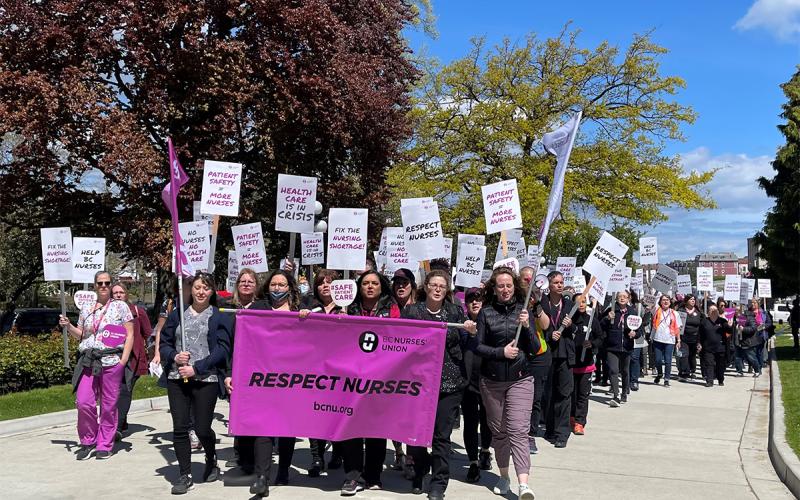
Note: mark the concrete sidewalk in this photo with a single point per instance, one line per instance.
(688, 441)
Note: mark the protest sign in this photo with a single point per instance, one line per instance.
(197, 243)
(423, 230)
(682, 319)
(533, 256)
(470, 239)
(633, 322)
(764, 289)
(605, 257)
(664, 279)
(312, 248)
(448, 249)
(83, 298)
(486, 274)
(751, 287)
(249, 242)
(501, 206)
(566, 266)
(405, 202)
(347, 238)
(522, 254)
(385, 384)
(733, 286)
(57, 253)
(684, 284)
(514, 244)
(648, 251)
(637, 283)
(197, 215)
(380, 255)
(396, 253)
(705, 279)
(470, 265)
(579, 281)
(296, 202)
(233, 271)
(616, 283)
(512, 263)
(744, 291)
(626, 282)
(343, 292)
(649, 300)
(222, 182)
(598, 291)
(88, 257)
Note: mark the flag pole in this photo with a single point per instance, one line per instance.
(214, 230)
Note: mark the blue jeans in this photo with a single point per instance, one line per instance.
(750, 354)
(664, 358)
(636, 365)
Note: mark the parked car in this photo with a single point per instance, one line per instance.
(33, 321)
(780, 313)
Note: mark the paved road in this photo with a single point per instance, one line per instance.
(688, 441)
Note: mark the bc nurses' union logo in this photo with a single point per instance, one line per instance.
(368, 341)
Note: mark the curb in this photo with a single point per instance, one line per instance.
(783, 458)
(49, 420)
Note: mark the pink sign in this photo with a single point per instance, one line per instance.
(336, 377)
(113, 335)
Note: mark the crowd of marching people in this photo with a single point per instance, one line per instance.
(515, 371)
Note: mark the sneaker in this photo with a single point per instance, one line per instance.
(416, 486)
(525, 492)
(634, 387)
(102, 455)
(657, 380)
(118, 436)
(614, 403)
(560, 443)
(709, 384)
(194, 441)
(211, 472)
(502, 487)
(474, 473)
(721, 384)
(374, 486)
(485, 460)
(436, 495)
(183, 485)
(84, 452)
(756, 374)
(532, 445)
(316, 469)
(578, 430)
(260, 487)
(351, 487)
(666, 383)
(624, 399)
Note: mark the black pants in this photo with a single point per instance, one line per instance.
(201, 397)
(796, 337)
(714, 364)
(601, 373)
(363, 458)
(540, 374)
(582, 388)
(439, 458)
(690, 365)
(561, 384)
(124, 402)
(262, 454)
(619, 364)
(474, 416)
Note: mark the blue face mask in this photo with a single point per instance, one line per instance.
(278, 297)
(303, 288)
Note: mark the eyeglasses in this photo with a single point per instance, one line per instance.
(103, 283)
(437, 287)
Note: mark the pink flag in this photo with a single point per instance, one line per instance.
(177, 178)
(335, 377)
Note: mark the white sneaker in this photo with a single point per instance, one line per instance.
(194, 441)
(525, 492)
(502, 487)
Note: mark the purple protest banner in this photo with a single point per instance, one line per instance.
(335, 377)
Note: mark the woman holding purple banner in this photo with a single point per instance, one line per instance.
(100, 369)
(432, 306)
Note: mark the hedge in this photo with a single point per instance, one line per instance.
(30, 362)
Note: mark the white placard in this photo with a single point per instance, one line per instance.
(343, 292)
(605, 257)
(486, 274)
(296, 202)
(751, 287)
(313, 248)
(649, 300)
(598, 292)
(88, 257)
(616, 283)
(633, 322)
(764, 289)
(684, 284)
(380, 255)
(347, 238)
(648, 251)
(197, 243)
(222, 182)
(57, 253)
(233, 271)
(579, 281)
(423, 230)
(566, 266)
(396, 253)
(705, 279)
(448, 249)
(511, 263)
(470, 239)
(197, 215)
(514, 243)
(744, 291)
(405, 202)
(470, 265)
(534, 256)
(522, 254)
(637, 282)
(664, 279)
(501, 206)
(83, 298)
(626, 282)
(733, 287)
(249, 242)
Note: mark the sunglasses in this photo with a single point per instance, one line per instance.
(103, 283)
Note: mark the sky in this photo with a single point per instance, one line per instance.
(733, 55)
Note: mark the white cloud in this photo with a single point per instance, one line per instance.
(779, 17)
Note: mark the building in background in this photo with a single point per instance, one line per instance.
(684, 266)
(744, 268)
(723, 263)
(753, 260)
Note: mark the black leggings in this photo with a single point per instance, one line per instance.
(439, 458)
(475, 415)
(201, 397)
(619, 363)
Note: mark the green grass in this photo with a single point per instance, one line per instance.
(789, 366)
(60, 397)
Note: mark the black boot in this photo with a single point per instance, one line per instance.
(260, 487)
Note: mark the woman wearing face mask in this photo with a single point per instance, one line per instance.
(138, 359)
(589, 336)
(690, 335)
(712, 335)
(619, 346)
(193, 375)
(432, 306)
(472, 407)
(363, 457)
(506, 379)
(665, 333)
(100, 369)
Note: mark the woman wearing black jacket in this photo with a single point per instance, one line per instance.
(588, 339)
(506, 380)
(432, 306)
(619, 345)
(712, 336)
(690, 336)
(193, 375)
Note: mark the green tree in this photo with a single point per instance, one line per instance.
(479, 119)
(780, 237)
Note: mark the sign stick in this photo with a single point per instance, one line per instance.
(591, 319)
(214, 229)
(180, 307)
(64, 330)
(504, 243)
(292, 245)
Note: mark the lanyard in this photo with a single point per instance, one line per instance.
(96, 323)
(558, 312)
